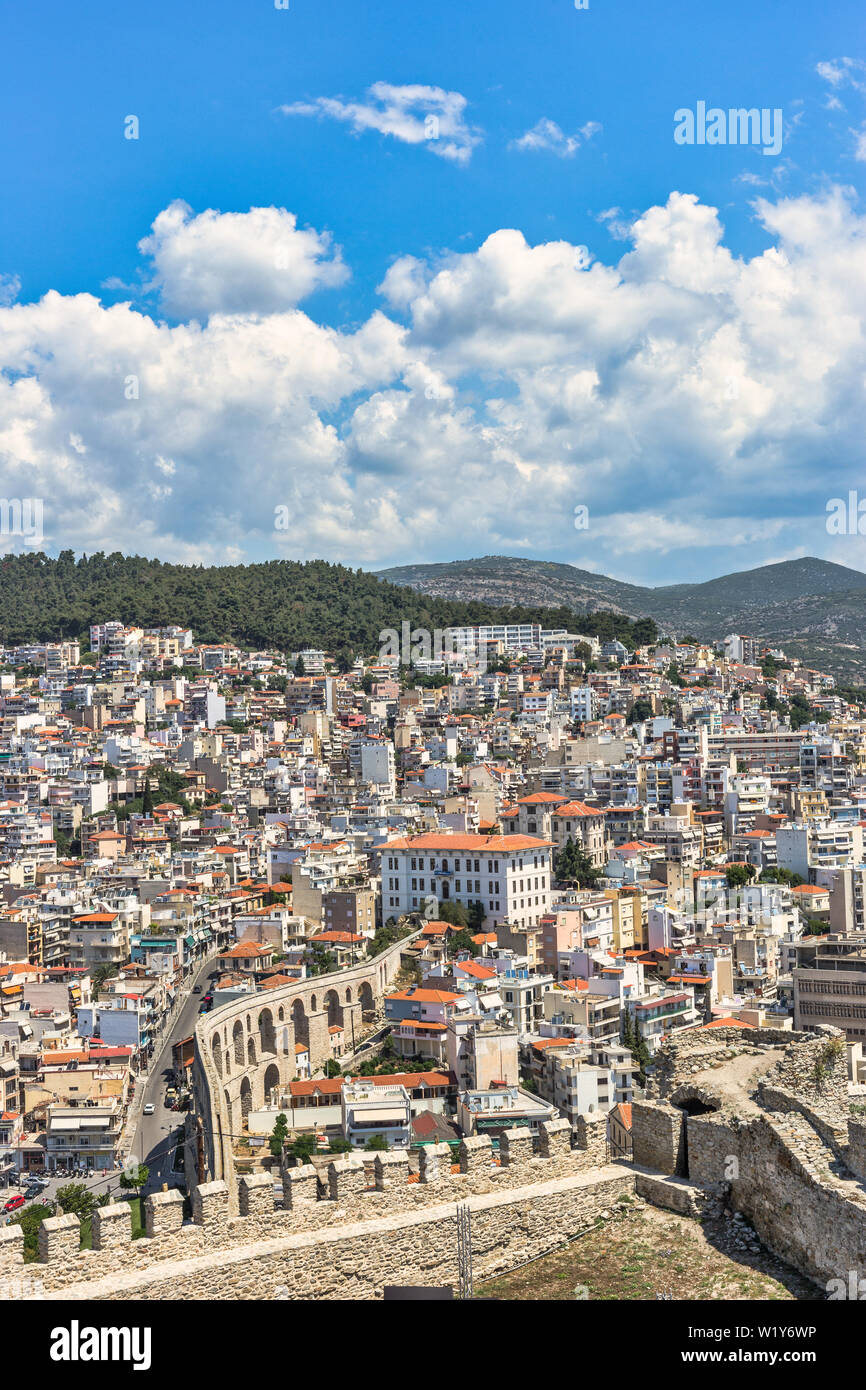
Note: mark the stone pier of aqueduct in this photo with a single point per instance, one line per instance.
(246, 1048)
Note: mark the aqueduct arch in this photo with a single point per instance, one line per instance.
(241, 1053)
(334, 1008)
(301, 1022)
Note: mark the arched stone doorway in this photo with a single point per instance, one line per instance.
(692, 1101)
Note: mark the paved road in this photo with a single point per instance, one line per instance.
(96, 1182)
(156, 1135)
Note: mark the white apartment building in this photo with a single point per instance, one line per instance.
(377, 764)
(848, 901)
(508, 874)
(584, 703)
(659, 1012)
(680, 840)
(748, 796)
(583, 1080)
(520, 990)
(370, 1110)
(82, 1136)
(820, 845)
(514, 636)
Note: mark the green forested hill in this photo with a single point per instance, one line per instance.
(281, 603)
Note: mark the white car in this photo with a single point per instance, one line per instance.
(148, 1109)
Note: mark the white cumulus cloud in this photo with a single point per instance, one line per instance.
(252, 262)
(695, 400)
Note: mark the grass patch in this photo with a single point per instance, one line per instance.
(136, 1206)
(640, 1256)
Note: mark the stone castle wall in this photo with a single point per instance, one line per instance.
(789, 1156)
(338, 1238)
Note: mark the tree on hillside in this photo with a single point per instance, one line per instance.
(462, 941)
(775, 874)
(30, 1219)
(572, 864)
(641, 710)
(632, 1039)
(738, 875)
(281, 604)
(454, 912)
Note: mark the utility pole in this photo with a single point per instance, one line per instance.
(464, 1250)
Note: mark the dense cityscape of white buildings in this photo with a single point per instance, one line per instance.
(584, 847)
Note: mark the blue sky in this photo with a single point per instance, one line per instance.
(696, 383)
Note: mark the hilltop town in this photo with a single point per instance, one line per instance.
(271, 917)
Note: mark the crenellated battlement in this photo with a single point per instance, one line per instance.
(356, 1188)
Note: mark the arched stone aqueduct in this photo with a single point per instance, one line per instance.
(247, 1048)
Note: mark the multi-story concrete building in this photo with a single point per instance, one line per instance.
(848, 901)
(480, 1051)
(831, 988)
(659, 1012)
(82, 1136)
(819, 845)
(508, 874)
(376, 1111)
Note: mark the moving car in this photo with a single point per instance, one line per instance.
(14, 1203)
(196, 989)
(148, 1109)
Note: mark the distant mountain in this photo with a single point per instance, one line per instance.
(814, 609)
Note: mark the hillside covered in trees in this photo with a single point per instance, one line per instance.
(281, 603)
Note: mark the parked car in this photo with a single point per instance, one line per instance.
(14, 1203)
(148, 1109)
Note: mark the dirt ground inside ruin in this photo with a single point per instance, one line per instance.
(652, 1253)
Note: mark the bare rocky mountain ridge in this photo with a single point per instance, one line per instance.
(814, 609)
